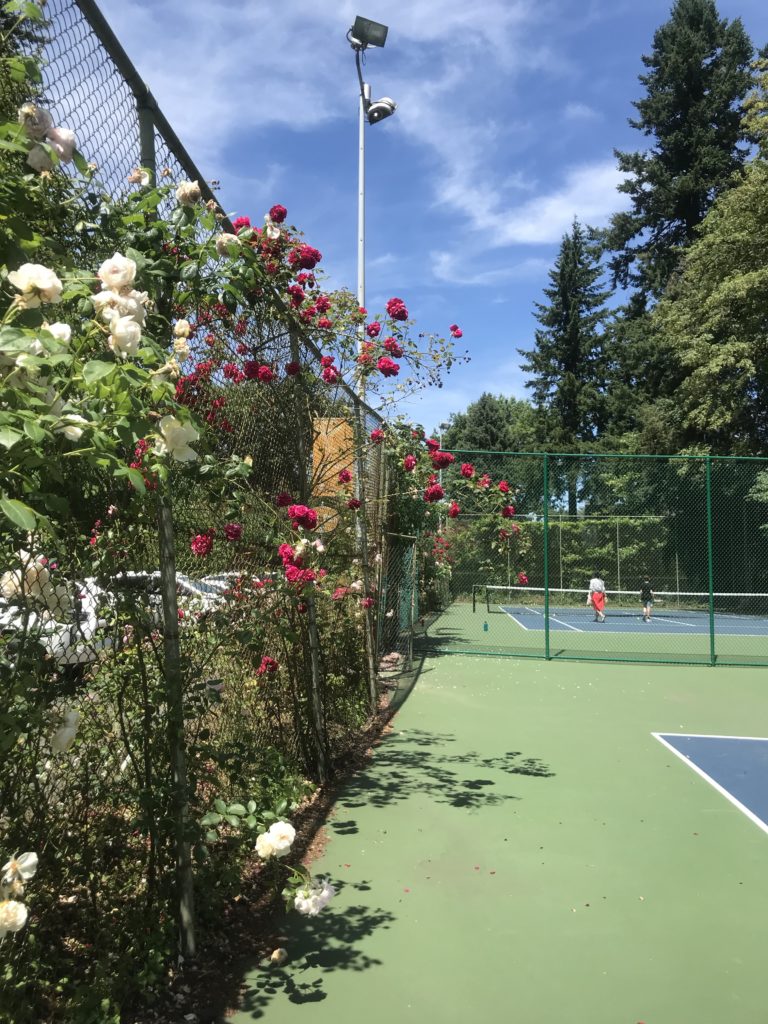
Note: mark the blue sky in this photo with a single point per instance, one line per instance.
(508, 115)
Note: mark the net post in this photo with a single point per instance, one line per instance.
(474, 598)
(546, 556)
(710, 560)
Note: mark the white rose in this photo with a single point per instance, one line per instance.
(20, 869)
(36, 347)
(36, 283)
(70, 428)
(176, 437)
(61, 332)
(36, 121)
(117, 273)
(264, 846)
(357, 586)
(181, 348)
(281, 836)
(63, 142)
(39, 160)
(271, 229)
(182, 329)
(312, 899)
(188, 193)
(139, 176)
(168, 371)
(226, 243)
(13, 916)
(278, 956)
(110, 304)
(125, 336)
(32, 579)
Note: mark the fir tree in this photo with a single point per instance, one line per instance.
(567, 365)
(698, 74)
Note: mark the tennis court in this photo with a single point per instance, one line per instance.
(522, 845)
(530, 622)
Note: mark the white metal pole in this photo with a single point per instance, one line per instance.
(361, 207)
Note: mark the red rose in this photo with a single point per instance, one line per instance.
(432, 444)
(296, 293)
(387, 367)
(278, 213)
(326, 360)
(434, 493)
(324, 322)
(409, 463)
(373, 330)
(265, 374)
(202, 544)
(442, 459)
(354, 504)
(322, 303)
(467, 470)
(292, 369)
(241, 222)
(393, 346)
(503, 486)
(396, 309)
(339, 592)
(522, 579)
(484, 481)
(330, 375)
(453, 510)
(300, 515)
(268, 666)
(345, 476)
(282, 499)
(508, 511)
(233, 531)
(377, 435)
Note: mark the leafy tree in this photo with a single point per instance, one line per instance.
(698, 74)
(567, 365)
(494, 423)
(713, 321)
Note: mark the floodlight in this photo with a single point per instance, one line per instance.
(367, 33)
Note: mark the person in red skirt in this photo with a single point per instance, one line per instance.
(596, 597)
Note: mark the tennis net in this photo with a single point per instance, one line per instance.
(573, 602)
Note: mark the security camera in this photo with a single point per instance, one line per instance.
(380, 109)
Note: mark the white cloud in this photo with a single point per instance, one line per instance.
(580, 112)
(457, 268)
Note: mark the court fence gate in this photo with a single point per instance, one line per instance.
(690, 530)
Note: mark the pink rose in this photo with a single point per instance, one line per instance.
(396, 309)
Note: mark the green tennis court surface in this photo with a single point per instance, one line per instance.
(673, 636)
(522, 848)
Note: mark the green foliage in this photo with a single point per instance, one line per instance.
(698, 74)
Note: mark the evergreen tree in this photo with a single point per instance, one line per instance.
(698, 74)
(567, 365)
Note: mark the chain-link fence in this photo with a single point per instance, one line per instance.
(171, 675)
(678, 546)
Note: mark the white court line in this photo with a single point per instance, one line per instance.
(716, 785)
(554, 618)
(503, 609)
(676, 622)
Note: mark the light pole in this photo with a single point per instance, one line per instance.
(365, 33)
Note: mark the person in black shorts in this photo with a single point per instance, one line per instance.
(646, 596)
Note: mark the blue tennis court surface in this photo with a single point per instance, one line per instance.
(580, 620)
(737, 766)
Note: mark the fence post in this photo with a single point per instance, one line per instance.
(710, 562)
(362, 537)
(175, 697)
(316, 702)
(546, 557)
(146, 138)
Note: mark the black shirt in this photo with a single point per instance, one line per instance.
(646, 593)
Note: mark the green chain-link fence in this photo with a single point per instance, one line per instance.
(685, 537)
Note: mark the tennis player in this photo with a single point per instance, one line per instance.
(646, 596)
(596, 597)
